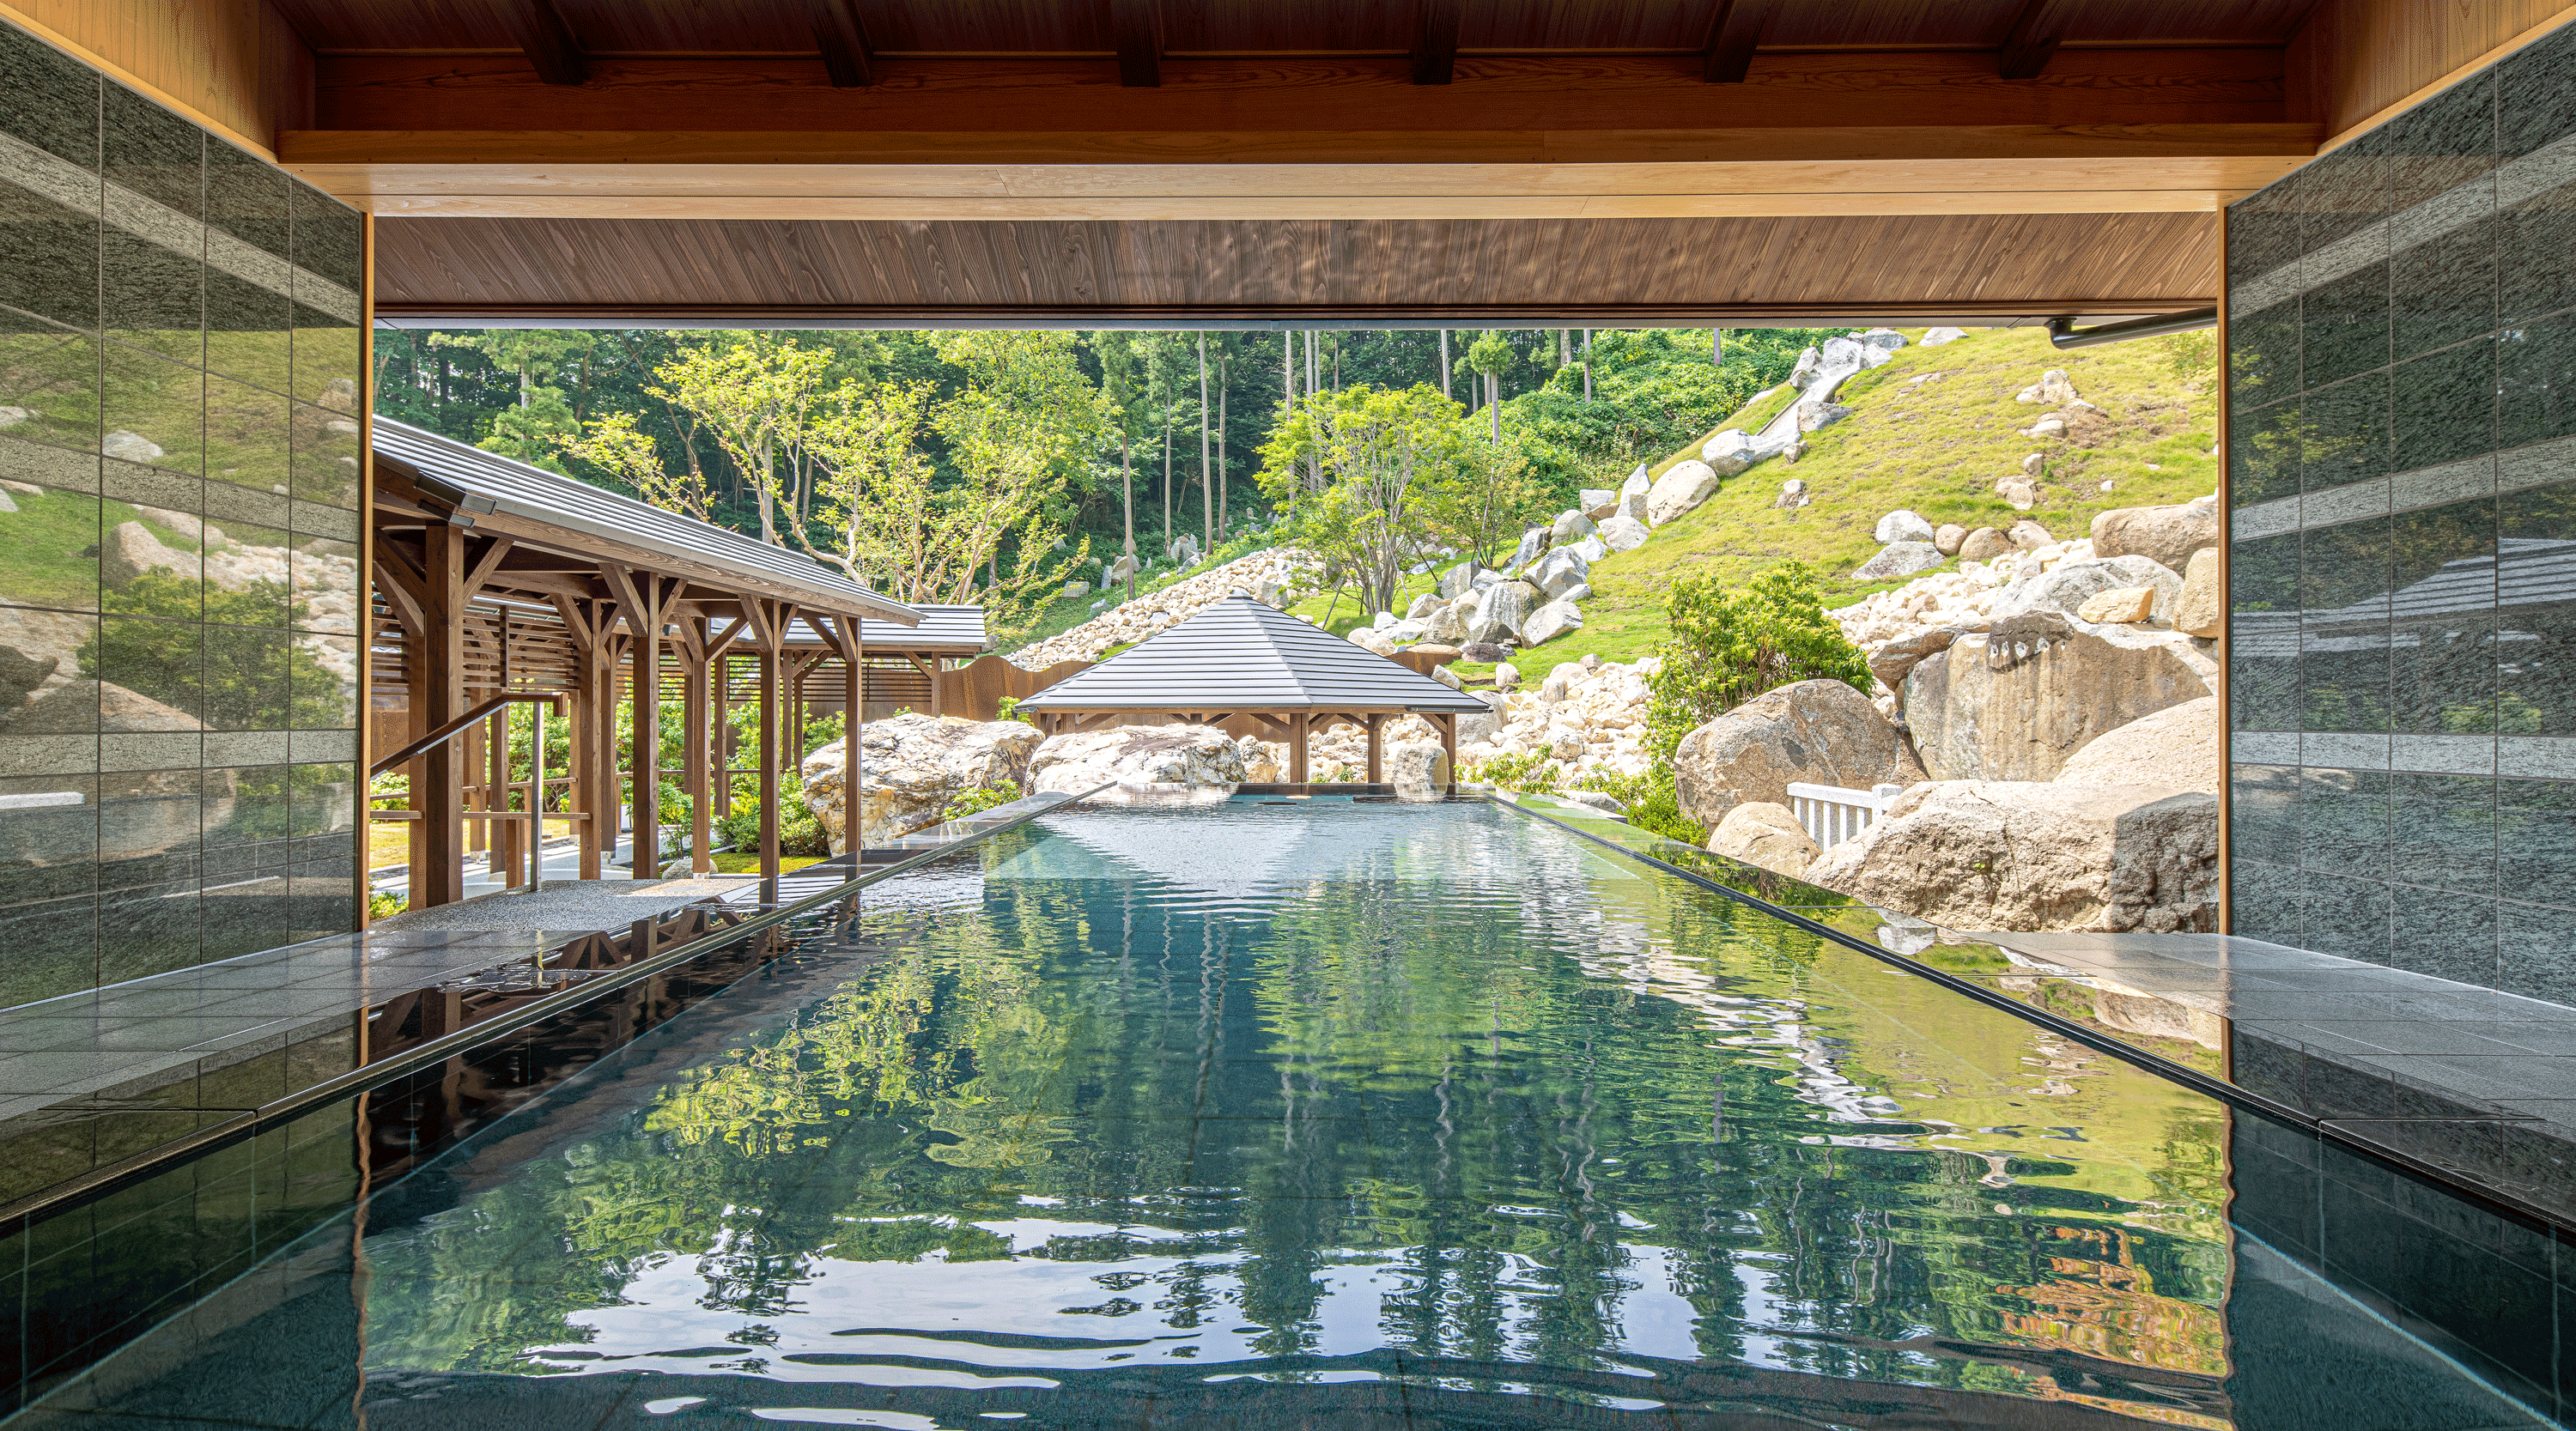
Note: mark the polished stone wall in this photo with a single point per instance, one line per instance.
(2402, 585)
(180, 395)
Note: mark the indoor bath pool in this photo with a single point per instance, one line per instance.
(1342, 1114)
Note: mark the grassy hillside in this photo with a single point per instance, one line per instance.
(1932, 429)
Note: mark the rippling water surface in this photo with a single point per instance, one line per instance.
(1270, 1115)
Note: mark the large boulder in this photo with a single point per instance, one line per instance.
(1559, 572)
(2168, 535)
(2065, 588)
(1679, 491)
(1448, 625)
(2031, 857)
(1638, 482)
(1598, 503)
(1898, 559)
(911, 768)
(1373, 640)
(2016, 702)
(1192, 755)
(1767, 835)
(2201, 610)
(1948, 538)
(1501, 610)
(1623, 534)
(79, 707)
(2179, 746)
(1458, 580)
(1570, 526)
(1821, 732)
(1902, 525)
(1731, 451)
(131, 550)
(1549, 622)
(1473, 728)
(1889, 660)
(1533, 541)
(1983, 544)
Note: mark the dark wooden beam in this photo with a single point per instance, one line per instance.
(2032, 40)
(1136, 30)
(547, 41)
(1435, 42)
(847, 57)
(1732, 37)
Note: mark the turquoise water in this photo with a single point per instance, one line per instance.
(1272, 1115)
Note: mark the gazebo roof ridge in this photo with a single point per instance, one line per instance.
(1243, 655)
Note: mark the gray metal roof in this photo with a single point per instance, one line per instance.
(2525, 573)
(1242, 655)
(522, 490)
(944, 630)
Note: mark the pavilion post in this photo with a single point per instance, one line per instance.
(846, 628)
(1297, 748)
(597, 796)
(693, 737)
(1376, 748)
(440, 698)
(771, 617)
(647, 761)
(1448, 723)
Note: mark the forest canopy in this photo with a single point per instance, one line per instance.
(994, 466)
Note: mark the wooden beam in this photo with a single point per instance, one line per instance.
(547, 41)
(2035, 34)
(1732, 38)
(486, 562)
(1136, 31)
(847, 57)
(1435, 41)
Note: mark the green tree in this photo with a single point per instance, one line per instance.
(1390, 460)
(1730, 644)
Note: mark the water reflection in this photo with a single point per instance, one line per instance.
(1265, 1113)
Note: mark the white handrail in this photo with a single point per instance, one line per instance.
(1832, 814)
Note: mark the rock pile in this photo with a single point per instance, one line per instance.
(1585, 717)
(1272, 576)
(911, 768)
(1189, 755)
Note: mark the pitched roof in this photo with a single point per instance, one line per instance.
(944, 630)
(490, 482)
(1242, 655)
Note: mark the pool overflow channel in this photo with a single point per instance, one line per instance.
(425, 1111)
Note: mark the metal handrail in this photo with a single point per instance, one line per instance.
(458, 726)
(2062, 332)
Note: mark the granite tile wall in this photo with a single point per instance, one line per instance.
(2402, 466)
(179, 419)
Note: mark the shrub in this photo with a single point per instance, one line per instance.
(977, 801)
(1525, 774)
(1651, 803)
(799, 833)
(1731, 644)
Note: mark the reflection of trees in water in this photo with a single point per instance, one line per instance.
(1500, 1094)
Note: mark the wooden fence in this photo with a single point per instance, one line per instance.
(976, 689)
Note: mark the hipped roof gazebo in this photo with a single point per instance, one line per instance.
(1254, 670)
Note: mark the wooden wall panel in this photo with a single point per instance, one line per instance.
(2356, 61)
(234, 66)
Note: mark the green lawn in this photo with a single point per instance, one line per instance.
(1936, 446)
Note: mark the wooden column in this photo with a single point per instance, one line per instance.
(644, 596)
(1376, 748)
(580, 619)
(1449, 746)
(693, 755)
(845, 638)
(1297, 749)
(768, 619)
(438, 699)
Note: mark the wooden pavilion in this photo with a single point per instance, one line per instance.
(1251, 669)
(499, 584)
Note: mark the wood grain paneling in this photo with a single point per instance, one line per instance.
(233, 66)
(2358, 61)
(984, 27)
(1632, 270)
(2081, 91)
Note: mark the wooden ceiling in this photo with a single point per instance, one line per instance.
(1608, 273)
(897, 160)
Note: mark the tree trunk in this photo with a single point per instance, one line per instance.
(1127, 496)
(1444, 366)
(1207, 484)
(1494, 404)
(1167, 477)
(1587, 365)
(1223, 506)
